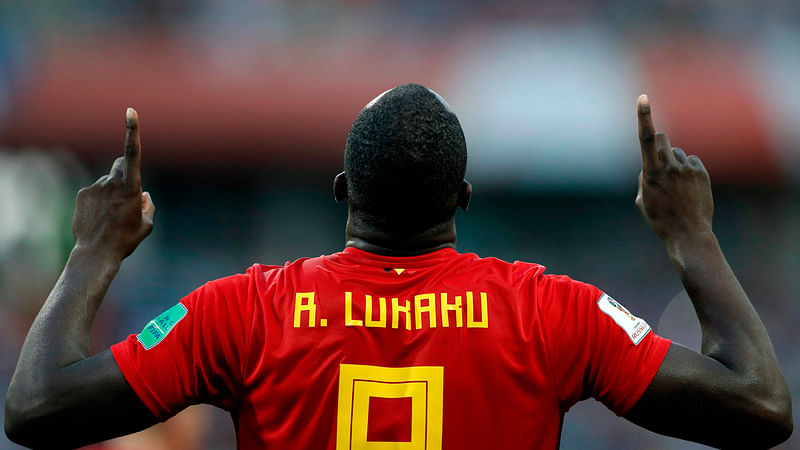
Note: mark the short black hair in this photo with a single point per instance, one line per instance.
(405, 160)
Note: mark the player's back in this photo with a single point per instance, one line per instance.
(443, 350)
(356, 350)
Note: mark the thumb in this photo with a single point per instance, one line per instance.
(148, 208)
(639, 199)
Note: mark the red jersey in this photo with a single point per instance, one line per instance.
(359, 351)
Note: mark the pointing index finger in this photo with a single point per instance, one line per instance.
(647, 135)
(133, 149)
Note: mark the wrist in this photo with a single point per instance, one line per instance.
(686, 249)
(93, 255)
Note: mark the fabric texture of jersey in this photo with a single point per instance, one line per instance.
(351, 350)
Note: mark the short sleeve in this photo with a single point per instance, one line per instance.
(597, 348)
(193, 352)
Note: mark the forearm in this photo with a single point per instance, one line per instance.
(735, 395)
(733, 333)
(59, 335)
(63, 324)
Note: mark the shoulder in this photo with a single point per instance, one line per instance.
(515, 273)
(561, 291)
(548, 290)
(560, 282)
(534, 276)
(265, 279)
(529, 276)
(233, 291)
(268, 272)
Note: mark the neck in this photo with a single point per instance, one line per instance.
(364, 236)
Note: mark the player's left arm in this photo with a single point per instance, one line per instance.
(732, 394)
(60, 396)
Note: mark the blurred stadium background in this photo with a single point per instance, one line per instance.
(245, 106)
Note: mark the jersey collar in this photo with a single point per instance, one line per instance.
(358, 256)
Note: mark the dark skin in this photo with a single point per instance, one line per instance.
(57, 380)
(360, 234)
(731, 395)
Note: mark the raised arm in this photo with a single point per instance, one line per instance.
(59, 394)
(733, 394)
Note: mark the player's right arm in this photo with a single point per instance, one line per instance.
(60, 395)
(733, 393)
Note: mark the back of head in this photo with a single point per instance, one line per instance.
(405, 160)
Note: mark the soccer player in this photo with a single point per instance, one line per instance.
(399, 338)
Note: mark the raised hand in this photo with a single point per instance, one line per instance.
(736, 381)
(113, 215)
(674, 189)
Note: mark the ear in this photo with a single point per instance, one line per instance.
(340, 187)
(464, 195)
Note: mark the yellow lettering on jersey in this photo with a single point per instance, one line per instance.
(304, 301)
(348, 312)
(397, 309)
(455, 307)
(430, 309)
(484, 322)
(431, 304)
(380, 323)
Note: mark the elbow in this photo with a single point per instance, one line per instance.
(23, 424)
(778, 414)
(16, 419)
(785, 431)
(14, 428)
(773, 416)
